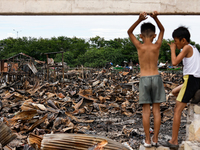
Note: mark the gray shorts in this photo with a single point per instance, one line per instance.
(151, 90)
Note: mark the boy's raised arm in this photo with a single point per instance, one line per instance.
(142, 17)
(160, 26)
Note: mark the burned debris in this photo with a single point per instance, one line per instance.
(6, 135)
(93, 109)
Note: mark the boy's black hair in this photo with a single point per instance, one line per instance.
(181, 32)
(147, 29)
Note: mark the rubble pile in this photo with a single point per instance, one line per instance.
(97, 104)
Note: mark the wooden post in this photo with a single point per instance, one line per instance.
(82, 72)
(54, 74)
(47, 68)
(1, 79)
(62, 70)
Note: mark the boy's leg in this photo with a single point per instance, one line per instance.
(176, 122)
(157, 121)
(146, 121)
(176, 90)
(190, 86)
(196, 98)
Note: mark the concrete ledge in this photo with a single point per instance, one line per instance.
(193, 128)
(153, 148)
(159, 148)
(193, 123)
(188, 145)
(98, 7)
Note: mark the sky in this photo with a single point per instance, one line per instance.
(105, 26)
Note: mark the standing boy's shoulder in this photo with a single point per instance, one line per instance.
(187, 50)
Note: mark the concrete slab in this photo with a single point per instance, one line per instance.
(190, 145)
(97, 7)
(153, 148)
(181, 147)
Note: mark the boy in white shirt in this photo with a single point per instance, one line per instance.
(191, 75)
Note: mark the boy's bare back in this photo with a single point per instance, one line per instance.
(148, 52)
(148, 57)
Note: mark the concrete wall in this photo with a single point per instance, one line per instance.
(97, 7)
(193, 128)
(193, 123)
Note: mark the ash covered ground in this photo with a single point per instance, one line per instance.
(96, 103)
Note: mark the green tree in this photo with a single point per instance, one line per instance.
(68, 58)
(97, 42)
(165, 52)
(77, 51)
(78, 46)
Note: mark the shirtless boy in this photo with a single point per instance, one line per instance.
(151, 89)
(191, 75)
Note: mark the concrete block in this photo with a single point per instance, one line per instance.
(196, 117)
(190, 114)
(197, 135)
(191, 133)
(197, 109)
(193, 123)
(153, 148)
(193, 128)
(181, 147)
(188, 145)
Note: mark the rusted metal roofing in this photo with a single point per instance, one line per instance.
(77, 142)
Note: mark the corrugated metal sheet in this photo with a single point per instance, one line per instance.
(6, 135)
(32, 67)
(77, 142)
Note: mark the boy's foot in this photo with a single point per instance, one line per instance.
(146, 145)
(167, 144)
(153, 143)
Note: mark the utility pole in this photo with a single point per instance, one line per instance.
(17, 32)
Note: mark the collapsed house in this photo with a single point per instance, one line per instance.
(20, 67)
(24, 67)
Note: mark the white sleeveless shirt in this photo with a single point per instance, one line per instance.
(191, 65)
